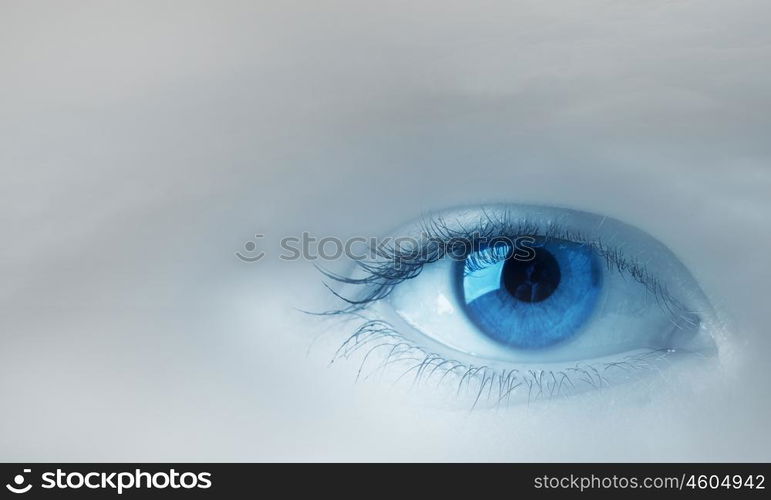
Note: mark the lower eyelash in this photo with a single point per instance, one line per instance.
(490, 386)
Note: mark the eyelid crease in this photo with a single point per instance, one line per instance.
(394, 265)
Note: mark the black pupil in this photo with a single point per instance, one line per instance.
(533, 280)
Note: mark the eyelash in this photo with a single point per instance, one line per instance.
(496, 385)
(394, 265)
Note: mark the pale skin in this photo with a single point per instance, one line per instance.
(143, 146)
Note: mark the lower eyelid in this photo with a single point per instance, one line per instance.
(381, 351)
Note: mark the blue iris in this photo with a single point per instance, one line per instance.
(532, 303)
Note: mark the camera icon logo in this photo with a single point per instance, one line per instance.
(18, 481)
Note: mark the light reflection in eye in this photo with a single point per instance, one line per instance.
(569, 301)
(534, 302)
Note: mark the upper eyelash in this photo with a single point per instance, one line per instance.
(393, 265)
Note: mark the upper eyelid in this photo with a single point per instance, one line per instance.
(393, 265)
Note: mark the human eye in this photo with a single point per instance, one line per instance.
(514, 302)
